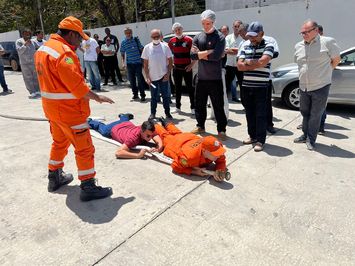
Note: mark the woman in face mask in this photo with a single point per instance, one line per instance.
(180, 46)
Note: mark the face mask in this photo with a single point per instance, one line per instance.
(156, 41)
(178, 36)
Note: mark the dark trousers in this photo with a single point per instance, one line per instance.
(117, 68)
(232, 72)
(109, 62)
(100, 63)
(214, 89)
(2, 79)
(178, 74)
(134, 74)
(312, 106)
(269, 114)
(255, 110)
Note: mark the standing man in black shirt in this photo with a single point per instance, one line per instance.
(208, 49)
(115, 42)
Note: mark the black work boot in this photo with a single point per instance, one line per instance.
(57, 179)
(90, 191)
(163, 121)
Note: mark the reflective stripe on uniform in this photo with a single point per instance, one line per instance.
(53, 162)
(86, 172)
(49, 51)
(58, 96)
(81, 126)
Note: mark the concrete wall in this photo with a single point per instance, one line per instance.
(9, 36)
(220, 5)
(282, 21)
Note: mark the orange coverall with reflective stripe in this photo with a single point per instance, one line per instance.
(185, 149)
(63, 89)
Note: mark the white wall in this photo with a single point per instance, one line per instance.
(10, 36)
(282, 21)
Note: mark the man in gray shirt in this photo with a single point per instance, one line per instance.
(316, 57)
(26, 49)
(208, 49)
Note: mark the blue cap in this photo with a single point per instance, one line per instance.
(254, 28)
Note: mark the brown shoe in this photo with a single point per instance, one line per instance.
(249, 141)
(258, 147)
(198, 130)
(222, 136)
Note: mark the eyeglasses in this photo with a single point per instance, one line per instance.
(156, 37)
(306, 31)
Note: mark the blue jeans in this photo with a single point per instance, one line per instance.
(163, 88)
(92, 69)
(322, 121)
(135, 72)
(103, 129)
(2, 79)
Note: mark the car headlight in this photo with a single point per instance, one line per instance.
(279, 74)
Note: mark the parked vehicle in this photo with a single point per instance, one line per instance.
(10, 58)
(286, 83)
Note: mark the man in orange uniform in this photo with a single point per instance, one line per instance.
(65, 101)
(191, 152)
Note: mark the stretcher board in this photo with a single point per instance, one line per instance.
(161, 157)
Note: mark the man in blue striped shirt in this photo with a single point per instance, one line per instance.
(254, 60)
(131, 49)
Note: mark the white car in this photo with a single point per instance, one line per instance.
(285, 82)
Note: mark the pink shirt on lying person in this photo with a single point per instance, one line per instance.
(127, 133)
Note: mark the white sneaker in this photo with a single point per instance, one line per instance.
(32, 95)
(193, 111)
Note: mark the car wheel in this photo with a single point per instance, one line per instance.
(14, 65)
(291, 96)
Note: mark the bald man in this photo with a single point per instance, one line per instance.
(316, 57)
(158, 63)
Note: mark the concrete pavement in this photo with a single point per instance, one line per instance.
(283, 206)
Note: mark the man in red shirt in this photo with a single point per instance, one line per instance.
(129, 135)
(180, 46)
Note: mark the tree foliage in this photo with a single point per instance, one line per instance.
(19, 14)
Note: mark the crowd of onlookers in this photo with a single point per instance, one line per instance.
(243, 55)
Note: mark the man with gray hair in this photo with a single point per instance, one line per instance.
(180, 45)
(26, 49)
(158, 63)
(232, 43)
(316, 57)
(91, 50)
(208, 49)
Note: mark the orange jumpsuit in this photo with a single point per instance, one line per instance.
(185, 149)
(63, 89)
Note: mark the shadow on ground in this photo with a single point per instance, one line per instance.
(277, 151)
(334, 151)
(96, 211)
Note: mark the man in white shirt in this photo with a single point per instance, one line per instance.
(26, 49)
(232, 43)
(158, 63)
(38, 39)
(91, 50)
